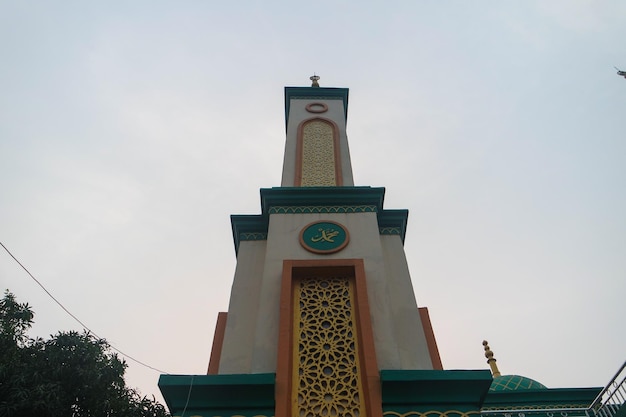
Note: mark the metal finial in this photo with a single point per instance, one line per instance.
(491, 360)
(314, 78)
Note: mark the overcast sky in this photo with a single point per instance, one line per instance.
(130, 131)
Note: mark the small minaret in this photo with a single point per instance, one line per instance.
(307, 268)
(491, 360)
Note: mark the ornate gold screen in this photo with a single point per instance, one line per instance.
(318, 154)
(326, 372)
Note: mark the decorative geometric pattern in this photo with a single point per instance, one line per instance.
(229, 415)
(389, 230)
(433, 413)
(486, 411)
(321, 209)
(253, 236)
(326, 375)
(514, 382)
(318, 154)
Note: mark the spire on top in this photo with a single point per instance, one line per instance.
(490, 359)
(314, 78)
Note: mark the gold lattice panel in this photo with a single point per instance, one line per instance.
(326, 374)
(318, 155)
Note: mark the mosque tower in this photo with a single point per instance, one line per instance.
(322, 319)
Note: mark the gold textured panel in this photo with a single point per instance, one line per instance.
(326, 374)
(318, 154)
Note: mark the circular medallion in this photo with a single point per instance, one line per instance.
(324, 237)
(316, 108)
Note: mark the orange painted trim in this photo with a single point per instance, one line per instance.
(218, 342)
(285, 355)
(430, 339)
(316, 107)
(371, 380)
(338, 172)
(367, 354)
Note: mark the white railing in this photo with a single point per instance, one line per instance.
(613, 396)
(607, 403)
(536, 412)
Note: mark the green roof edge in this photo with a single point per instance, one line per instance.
(462, 388)
(213, 392)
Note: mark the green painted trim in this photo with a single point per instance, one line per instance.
(247, 225)
(315, 93)
(252, 236)
(287, 200)
(322, 196)
(415, 410)
(389, 230)
(442, 390)
(394, 218)
(250, 392)
(231, 412)
(541, 397)
(321, 209)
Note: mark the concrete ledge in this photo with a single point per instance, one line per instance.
(360, 199)
(219, 392)
(426, 388)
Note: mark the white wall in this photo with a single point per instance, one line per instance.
(251, 339)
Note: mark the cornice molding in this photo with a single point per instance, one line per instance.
(321, 209)
(298, 200)
(315, 93)
(246, 395)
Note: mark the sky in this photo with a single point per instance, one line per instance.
(131, 131)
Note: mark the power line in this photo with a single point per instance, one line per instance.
(76, 318)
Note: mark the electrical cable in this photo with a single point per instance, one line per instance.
(188, 396)
(76, 318)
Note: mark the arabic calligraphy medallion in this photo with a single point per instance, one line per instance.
(324, 237)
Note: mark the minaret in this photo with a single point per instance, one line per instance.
(322, 294)
(491, 360)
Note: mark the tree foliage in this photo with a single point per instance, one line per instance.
(71, 374)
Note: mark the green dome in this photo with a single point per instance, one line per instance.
(513, 383)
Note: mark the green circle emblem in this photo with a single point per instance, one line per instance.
(324, 237)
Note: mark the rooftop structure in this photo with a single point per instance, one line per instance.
(322, 319)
